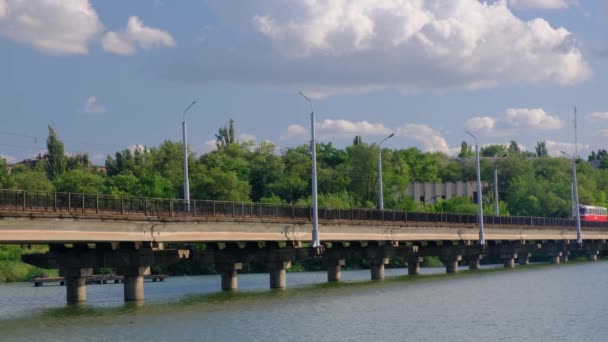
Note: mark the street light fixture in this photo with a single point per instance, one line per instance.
(380, 197)
(313, 149)
(186, 181)
(579, 238)
(482, 240)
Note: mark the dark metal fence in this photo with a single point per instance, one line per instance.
(32, 201)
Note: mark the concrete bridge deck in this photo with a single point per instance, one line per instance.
(132, 235)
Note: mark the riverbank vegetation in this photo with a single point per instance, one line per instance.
(529, 183)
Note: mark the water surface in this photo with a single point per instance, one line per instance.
(534, 303)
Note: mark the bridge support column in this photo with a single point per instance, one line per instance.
(334, 269)
(228, 273)
(555, 257)
(377, 268)
(75, 284)
(593, 255)
(413, 265)
(451, 263)
(524, 259)
(278, 274)
(474, 262)
(134, 283)
(509, 259)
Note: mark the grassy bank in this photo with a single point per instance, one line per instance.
(11, 267)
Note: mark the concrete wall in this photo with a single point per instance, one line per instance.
(432, 192)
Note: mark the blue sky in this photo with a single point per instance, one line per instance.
(113, 74)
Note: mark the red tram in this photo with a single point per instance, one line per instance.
(593, 213)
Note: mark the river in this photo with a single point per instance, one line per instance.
(567, 302)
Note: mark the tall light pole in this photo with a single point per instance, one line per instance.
(185, 141)
(313, 149)
(496, 206)
(380, 197)
(579, 237)
(496, 212)
(482, 239)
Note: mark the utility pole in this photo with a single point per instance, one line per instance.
(482, 239)
(185, 142)
(380, 196)
(313, 149)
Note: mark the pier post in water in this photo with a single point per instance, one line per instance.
(377, 267)
(334, 269)
(75, 284)
(134, 283)
(451, 263)
(278, 274)
(228, 272)
(413, 265)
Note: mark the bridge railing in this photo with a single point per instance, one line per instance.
(33, 201)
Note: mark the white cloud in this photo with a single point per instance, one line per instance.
(431, 139)
(92, 106)
(3, 6)
(597, 116)
(535, 118)
(294, 131)
(554, 148)
(541, 4)
(515, 119)
(245, 137)
(346, 127)
(136, 147)
(52, 26)
(603, 132)
(9, 159)
(362, 45)
(208, 146)
(136, 35)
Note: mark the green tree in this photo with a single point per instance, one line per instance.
(465, 150)
(541, 149)
(55, 159)
(225, 135)
(23, 178)
(79, 181)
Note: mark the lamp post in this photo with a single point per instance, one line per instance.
(186, 181)
(579, 237)
(313, 149)
(482, 240)
(496, 209)
(380, 197)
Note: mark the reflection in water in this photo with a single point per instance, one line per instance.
(531, 303)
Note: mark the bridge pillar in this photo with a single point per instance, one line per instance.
(134, 282)
(377, 268)
(524, 259)
(555, 257)
(451, 263)
(334, 269)
(228, 273)
(509, 259)
(413, 265)
(75, 283)
(593, 255)
(278, 274)
(474, 262)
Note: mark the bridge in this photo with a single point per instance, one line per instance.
(131, 235)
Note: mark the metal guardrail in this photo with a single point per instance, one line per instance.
(34, 201)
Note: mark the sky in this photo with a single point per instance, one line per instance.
(110, 75)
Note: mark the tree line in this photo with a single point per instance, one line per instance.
(530, 184)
